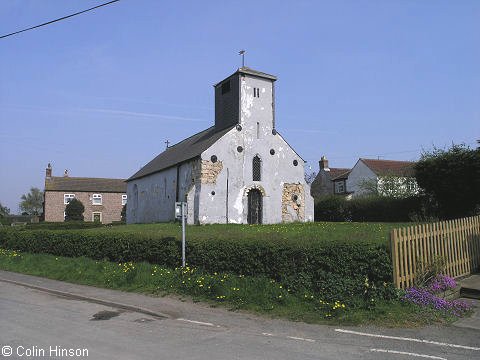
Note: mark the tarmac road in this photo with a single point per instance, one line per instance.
(35, 324)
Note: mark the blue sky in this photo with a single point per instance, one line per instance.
(100, 93)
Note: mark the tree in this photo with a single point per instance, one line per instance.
(4, 211)
(74, 210)
(32, 203)
(310, 176)
(451, 179)
(390, 186)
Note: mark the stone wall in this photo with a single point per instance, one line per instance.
(210, 171)
(293, 203)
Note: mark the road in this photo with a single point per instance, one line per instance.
(39, 325)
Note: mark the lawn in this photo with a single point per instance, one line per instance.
(376, 233)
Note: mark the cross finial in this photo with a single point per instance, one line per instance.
(168, 143)
(242, 52)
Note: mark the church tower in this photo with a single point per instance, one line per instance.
(246, 98)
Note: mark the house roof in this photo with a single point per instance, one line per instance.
(248, 71)
(184, 150)
(339, 173)
(67, 183)
(389, 167)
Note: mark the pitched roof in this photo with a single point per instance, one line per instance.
(67, 183)
(185, 150)
(390, 167)
(339, 173)
(248, 71)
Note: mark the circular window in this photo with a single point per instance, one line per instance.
(214, 158)
(294, 197)
(239, 127)
(295, 162)
(272, 152)
(213, 193)
(239, 148)
(274, 132)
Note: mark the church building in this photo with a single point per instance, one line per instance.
(241, 170)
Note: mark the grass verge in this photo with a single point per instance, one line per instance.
(255, 294)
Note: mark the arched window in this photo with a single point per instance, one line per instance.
(257, 168)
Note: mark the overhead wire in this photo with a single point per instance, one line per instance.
(59, 19)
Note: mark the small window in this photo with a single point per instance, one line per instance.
(256, 92)
(97, 217)
(124, 199)
(226, 87)
(257, 168)
(96, 199)
(213, 158)
(67, 198)
(295, 162)
(339, 187)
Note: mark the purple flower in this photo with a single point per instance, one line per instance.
(441, 283)
(424, 297)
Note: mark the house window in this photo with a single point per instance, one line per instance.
(339, 187)
(97, 217)
(257, 168)
(96, 199)
(67, 198)
(124, 199)
(226, 87)
(256, 92)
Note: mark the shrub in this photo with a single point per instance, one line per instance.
(334, 270)
(69, 225)
(369, 208)
(74, 210)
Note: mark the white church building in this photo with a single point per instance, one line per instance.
(241, 170)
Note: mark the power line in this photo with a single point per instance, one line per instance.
(59, 19)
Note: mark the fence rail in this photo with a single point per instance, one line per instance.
(456, 241)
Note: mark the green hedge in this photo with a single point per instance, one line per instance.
(369, 209)
(67, 225)
(337, 270)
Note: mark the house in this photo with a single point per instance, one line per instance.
(386, 177)
(103, 199)
(240, 170)
(329, 181)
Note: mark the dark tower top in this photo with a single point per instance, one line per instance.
(228, 96)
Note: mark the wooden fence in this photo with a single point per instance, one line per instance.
(456, 241)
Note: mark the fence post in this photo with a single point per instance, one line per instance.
(393, 246)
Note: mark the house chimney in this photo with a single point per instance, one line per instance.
(65, 173)
(323, 164)
(48, 171)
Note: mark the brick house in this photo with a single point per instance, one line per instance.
(103, 198)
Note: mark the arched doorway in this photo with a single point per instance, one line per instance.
(255, 206)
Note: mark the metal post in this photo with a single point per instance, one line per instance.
(183, 233)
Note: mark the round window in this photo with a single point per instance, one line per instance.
(214, 158)
(213, 192)
(295, 162)
(239, 148)
(294, 197)
(272, 152)
(239, 127)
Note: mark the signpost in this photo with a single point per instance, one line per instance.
(181, 213)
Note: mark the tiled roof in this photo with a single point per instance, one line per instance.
(183, 151)
(67, 183)
(339, 173)
(390, 167)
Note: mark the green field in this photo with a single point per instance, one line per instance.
(377, 233)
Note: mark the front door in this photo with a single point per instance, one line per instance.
(254, 207)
